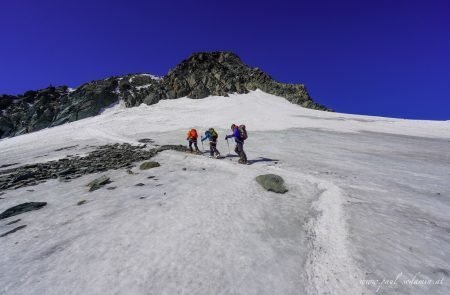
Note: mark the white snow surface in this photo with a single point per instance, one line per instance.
(368, 202)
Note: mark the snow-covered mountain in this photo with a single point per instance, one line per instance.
(201, 75)
(368, 200)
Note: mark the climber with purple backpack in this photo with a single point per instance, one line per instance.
(240, 135)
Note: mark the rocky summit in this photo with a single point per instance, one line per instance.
(201, 75)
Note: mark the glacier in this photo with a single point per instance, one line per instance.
(367, 209)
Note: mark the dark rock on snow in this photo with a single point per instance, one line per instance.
(81, 202)
(145, 140)
(12, 222)
(115, 156)
(201, 75)
(149, 165)
(13, 231)
(22, 208)
(98, 183)
(272, 183)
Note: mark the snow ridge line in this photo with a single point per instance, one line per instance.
(329, 267)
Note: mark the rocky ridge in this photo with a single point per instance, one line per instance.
(201, 75)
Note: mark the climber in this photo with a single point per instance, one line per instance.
(240, 135)
(212, 135)
(192, 138)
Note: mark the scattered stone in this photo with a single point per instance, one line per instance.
(150, 177)
(203, 168)
(116, 156)
(2, 193)
(129, 171)
(149, 165)
(12, 222)
(139, 184)
(272, 182)
(30, 190)
(81, 202)
(438, 194)
(184, 169)
(111, 188)
(65, 171)
(13, 231)
(98, 183)
(142, 198)
(22, 208)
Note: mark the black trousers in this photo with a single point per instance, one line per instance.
(239, 149)
(213, 148)
(193, 142)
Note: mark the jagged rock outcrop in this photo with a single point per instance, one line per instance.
(201, 75)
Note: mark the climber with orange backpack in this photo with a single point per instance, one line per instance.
(239, 134)
(192, 138)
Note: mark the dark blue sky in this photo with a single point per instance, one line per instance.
(388, 58)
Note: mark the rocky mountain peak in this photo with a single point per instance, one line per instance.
(203, 74)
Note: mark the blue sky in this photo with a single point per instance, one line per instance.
(387, 58)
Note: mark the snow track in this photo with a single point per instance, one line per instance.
(329, 267)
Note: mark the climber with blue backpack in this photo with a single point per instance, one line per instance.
(212, 135)
(239, 134)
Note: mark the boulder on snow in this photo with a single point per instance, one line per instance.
(272, 183)
(22, 208)
(98, 183)
(149, 165)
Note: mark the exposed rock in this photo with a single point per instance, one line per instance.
(8, 165)
(104, 158)
(149, 165)
(111, 188)
(13, 231)
(145, 140)
(139, 184)
(272, 183)
(81, 202)
(201, 75)
(98, 183)
(12, 222)
(22, 208)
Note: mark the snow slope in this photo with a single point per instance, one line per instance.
(368, 200)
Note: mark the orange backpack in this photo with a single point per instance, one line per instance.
(192, 134)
